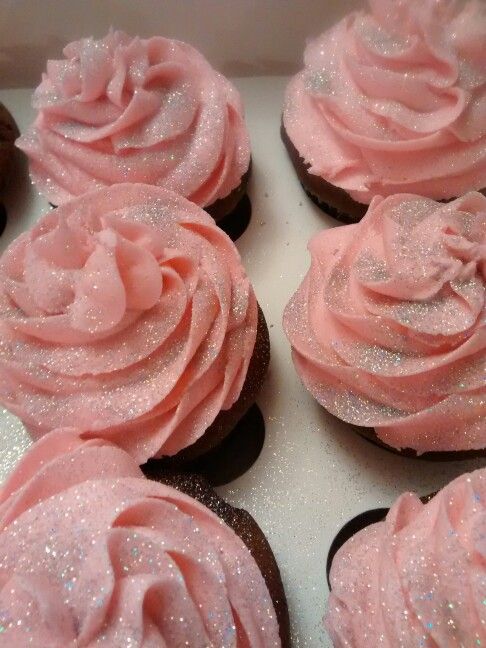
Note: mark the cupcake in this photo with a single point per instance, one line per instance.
(151, 111)
(391, 101)
(388, 328)
(93, 554)
(416, 578)
(127, 314)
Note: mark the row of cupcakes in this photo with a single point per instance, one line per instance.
(387, 329)
(128, 311)
(94, 554)
(390, 101)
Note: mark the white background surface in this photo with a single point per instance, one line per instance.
(313, 473)
(240, 37)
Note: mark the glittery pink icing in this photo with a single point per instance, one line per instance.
(388, 328)
(92, 554)
(418, 578)
(394, 100)
(127, 313)
(124, 109)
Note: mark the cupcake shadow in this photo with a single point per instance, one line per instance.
(226, 462)
(354, 526)
(236, 222)
(232, 444)
(351, 528)
(330, 199)
(233, 213)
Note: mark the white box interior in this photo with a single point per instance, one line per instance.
(239, 37)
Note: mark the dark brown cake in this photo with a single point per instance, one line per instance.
(226, 420)
(370, 435)
(224, 207)
(248, 530)
(333, 200)
(233, 213)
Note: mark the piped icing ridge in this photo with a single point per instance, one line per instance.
(124, 109)
(125, 313)
(93, 554)
(394, 100)
(388, 328)
(418, 578)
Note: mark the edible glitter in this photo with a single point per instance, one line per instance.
(397, 123)
(120, 116)
(87, 530)
(117, 355)
(411, 569)
(386, 326)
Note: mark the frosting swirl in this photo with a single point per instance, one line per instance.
(124, 109)
(418, 578)
(127, 313)
(388, 328)
(394, 100)
(92, 554)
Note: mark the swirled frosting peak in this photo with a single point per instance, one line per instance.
(394, 100)
(124, 109)
(126, 313)
(94, 555)
(388, 328)
(418, 578)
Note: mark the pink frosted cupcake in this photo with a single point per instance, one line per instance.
(127, 313)
(124, 109)
(391, 101)
(388, 328)
(417, 578)
(93, 554)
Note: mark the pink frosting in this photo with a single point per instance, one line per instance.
(419, 578)
(92, 554)
(127, 109)
(394, 100)
(388, 328)
(126, 313)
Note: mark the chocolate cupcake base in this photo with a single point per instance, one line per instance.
(237, 221)
(250, 533)
(333, 200)
(233, 213)
(441, 455)
(204, 448)
(370, 435)
(236, 453)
